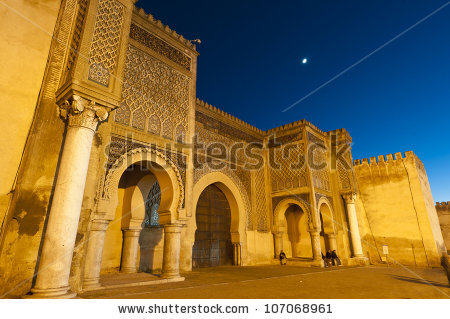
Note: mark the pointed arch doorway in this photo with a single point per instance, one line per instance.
(213, 246)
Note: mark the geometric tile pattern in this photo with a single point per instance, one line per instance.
(320, 176)
(155, 97)
(159, 46)
(105, 41)
(261, 205)
(291, 172)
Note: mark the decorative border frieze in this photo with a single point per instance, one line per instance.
(104, 51)
(160, 46)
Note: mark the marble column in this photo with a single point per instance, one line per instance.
(332, 241)
(171, 256)
(130, 250)
(353, 224)
(278, 243)
(94, 253)
(236, 254)
(56, 258)
(315, 243)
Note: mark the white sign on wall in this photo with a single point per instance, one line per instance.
(385, 249)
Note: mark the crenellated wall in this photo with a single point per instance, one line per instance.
(292, 175)
(23, 58)
(394, 210)
(443, 212)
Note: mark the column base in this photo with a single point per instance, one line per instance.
(358, 261)
(89, 284)
(170, 276)
(128, 270)
(51, 293)
(318, 263)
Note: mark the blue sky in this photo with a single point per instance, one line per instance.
(394, 101)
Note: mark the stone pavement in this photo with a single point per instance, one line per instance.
(276, 281)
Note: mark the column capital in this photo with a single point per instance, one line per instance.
(172, 228)
(82, 112)
(331, 236)
(349, 197)
(99, 225)
(314, 233)
(131, 232)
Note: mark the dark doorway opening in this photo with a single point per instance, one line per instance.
(212, 245)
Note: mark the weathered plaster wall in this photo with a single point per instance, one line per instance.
(394, 210)
(443, 212)
(151, 248)
(259, 247)
(296, 238)
(113, 239)
(23, 68)
(27, 29)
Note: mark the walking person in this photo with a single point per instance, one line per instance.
(324, 261)
(335, 259)
(328, 258)
(283, 259)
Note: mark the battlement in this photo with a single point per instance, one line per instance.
(228, 116)
(443, 205)
(288, 126)
(339, 131)
(383, 159)
(165, 28)
(295, 124)
(342, 134)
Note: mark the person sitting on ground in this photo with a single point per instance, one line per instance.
(446, 265)
(324, 261)
(328, 258)
(335, 259)
(283, 259)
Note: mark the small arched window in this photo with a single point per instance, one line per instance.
(152, 205)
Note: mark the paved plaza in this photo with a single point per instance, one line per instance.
(293, 282)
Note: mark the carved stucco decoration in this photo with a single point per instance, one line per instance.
(159, 46)
(292, 171)
(275, 140)
(122, 159)
(155, 97)
(206, 137)
(314, 139)
(262, 223)
(82, 112)
(344, 179)
(119, 146)
(320, 176)
(242, 183)
(329, 199)
(104, 50)
(345, 173)
(81, 7)
(225, 130)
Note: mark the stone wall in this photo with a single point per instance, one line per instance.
(23, 57)
(443, 212)
(394, 210)
(37, 67)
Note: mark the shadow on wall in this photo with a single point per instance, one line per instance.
(151, 242)
(421, 281)
(297, 233)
